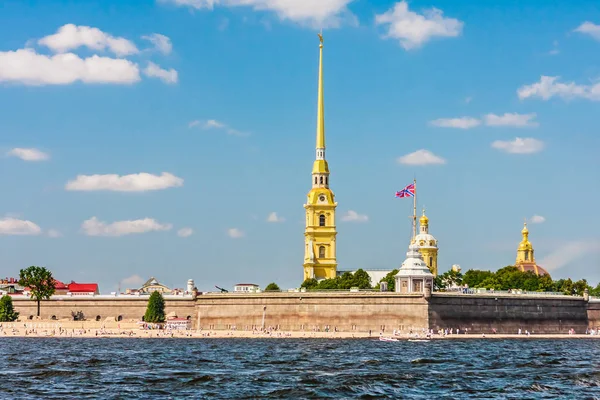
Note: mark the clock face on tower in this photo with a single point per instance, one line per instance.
(321, 198)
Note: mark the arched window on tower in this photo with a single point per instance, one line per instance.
(430, 262)
(316, 180)
(326, 180)
(321, 251)
(526, 255)
(322, 220)
(321, 180)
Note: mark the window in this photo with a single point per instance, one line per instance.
(430, 262)
(315, 180)
(326, 180)
(321, 180)
(526, 255)
(321, 251)
(322, 220)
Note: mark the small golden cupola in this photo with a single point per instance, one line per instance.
(525, 255)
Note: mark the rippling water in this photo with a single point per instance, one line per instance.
(285, 368)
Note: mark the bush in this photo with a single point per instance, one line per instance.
(7, 311)
(272, 287)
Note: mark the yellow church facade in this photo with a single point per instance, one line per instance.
(427, 245)
(320, 260)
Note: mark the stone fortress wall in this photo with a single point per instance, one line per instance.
(508, 313)
(101, 308)
(346, 311)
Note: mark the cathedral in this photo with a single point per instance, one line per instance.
(427, 245)
(525, 258)
(320, 260)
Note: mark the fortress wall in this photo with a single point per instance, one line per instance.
(593, 312)
(507, 313)
(130, 309)
(359, 312)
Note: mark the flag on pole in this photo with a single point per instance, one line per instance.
(408, 191)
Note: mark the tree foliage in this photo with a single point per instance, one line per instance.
(7, 312)
(272, 287)
(39, 281)
(511, 277)
(359, 279)
(447, 279)
(156, 308)
(390, 278)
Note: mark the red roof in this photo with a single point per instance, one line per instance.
(83, 287)
(58, 285)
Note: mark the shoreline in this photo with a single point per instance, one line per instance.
(14, 332)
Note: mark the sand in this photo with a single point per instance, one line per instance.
(128, 330)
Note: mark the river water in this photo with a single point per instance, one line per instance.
(62, 368)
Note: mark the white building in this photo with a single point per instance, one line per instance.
(246, 288)
(414, 275)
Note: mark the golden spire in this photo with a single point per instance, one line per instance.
(320, 166)
(320, 105)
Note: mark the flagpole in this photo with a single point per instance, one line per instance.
(415, 210)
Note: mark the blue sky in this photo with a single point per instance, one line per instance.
(147, 138)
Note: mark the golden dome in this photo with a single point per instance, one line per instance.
(423, 220)
(525, 231)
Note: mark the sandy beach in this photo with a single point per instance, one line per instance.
(129, 330)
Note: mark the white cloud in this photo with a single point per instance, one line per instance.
(14, 226)
(70, 37)
(569, 253)
(53, 233)
(95, 227)
(412, 29)
(519, 145)
(549, 87)
(462, 122)
(589, 28)
(235, 233)
(28, 154)
(154, 71)
(273, 217)
(315, 13)
(421, 157)
(161, 43)
(133, 280)
(214, 124)
(511, 119)
(185, 232)
(127, 183)
(353, 216)
(537, 219)
(27, 67)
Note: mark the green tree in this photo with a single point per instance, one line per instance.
(595, 291)
(580, 286)
(39, 281)
(156, 308)
(361, 279)
(448, 278)
(545, 284)
(310, 283)
(390, 278)
(473, 277)
(7, 312)
(272, 287)
(329, 284)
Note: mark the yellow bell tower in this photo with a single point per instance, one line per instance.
(428, 244)
(320, 260)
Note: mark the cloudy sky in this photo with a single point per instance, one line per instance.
(175, 138)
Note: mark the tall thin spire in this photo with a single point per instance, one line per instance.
(320, 105)
(320, 168)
